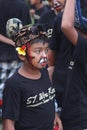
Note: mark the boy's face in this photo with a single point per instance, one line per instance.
(37, 53)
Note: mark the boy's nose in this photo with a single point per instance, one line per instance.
(44, 54)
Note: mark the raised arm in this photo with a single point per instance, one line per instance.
(67, 25)
(6, 40)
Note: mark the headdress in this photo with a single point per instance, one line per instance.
(26, 35)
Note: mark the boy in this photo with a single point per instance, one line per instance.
(28, 97)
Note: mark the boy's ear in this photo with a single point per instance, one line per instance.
(21, 57)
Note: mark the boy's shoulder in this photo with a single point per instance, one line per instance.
(12, 80)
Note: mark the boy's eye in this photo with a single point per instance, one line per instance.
(46, 50)
(37, 51)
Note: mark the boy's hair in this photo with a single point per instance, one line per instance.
(29, 34)
(81, 15)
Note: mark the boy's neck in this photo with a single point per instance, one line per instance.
(29, 73)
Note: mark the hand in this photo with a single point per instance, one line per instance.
(57, 122)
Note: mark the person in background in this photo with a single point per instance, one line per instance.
(59, 58)
(74, 27)
(9, 61)
(6, 40)
(27, 102)
(37, 9)
(48, 17)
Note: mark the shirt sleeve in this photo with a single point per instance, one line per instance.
(11, 101)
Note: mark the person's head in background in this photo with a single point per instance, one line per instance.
(31, 44)
(37, 8)
(35, 3)
(57, 5)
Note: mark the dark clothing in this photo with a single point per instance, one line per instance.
(47, 19)
(29, 102)
(74, 112)
(39, 12)
(63, 49)
(11, 9)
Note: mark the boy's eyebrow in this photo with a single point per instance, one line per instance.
(40, 47)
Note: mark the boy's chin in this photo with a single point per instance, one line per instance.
(43, 65)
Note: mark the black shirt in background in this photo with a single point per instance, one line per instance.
(74, 112)
(11, 9)
(63, 52)
(47, 19)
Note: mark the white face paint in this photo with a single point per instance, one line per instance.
(43, 61)
(58, 4)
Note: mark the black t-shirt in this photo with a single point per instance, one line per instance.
(39, 12)
(74, 112)
(29, 102)
(63, 49)
(47, 19)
